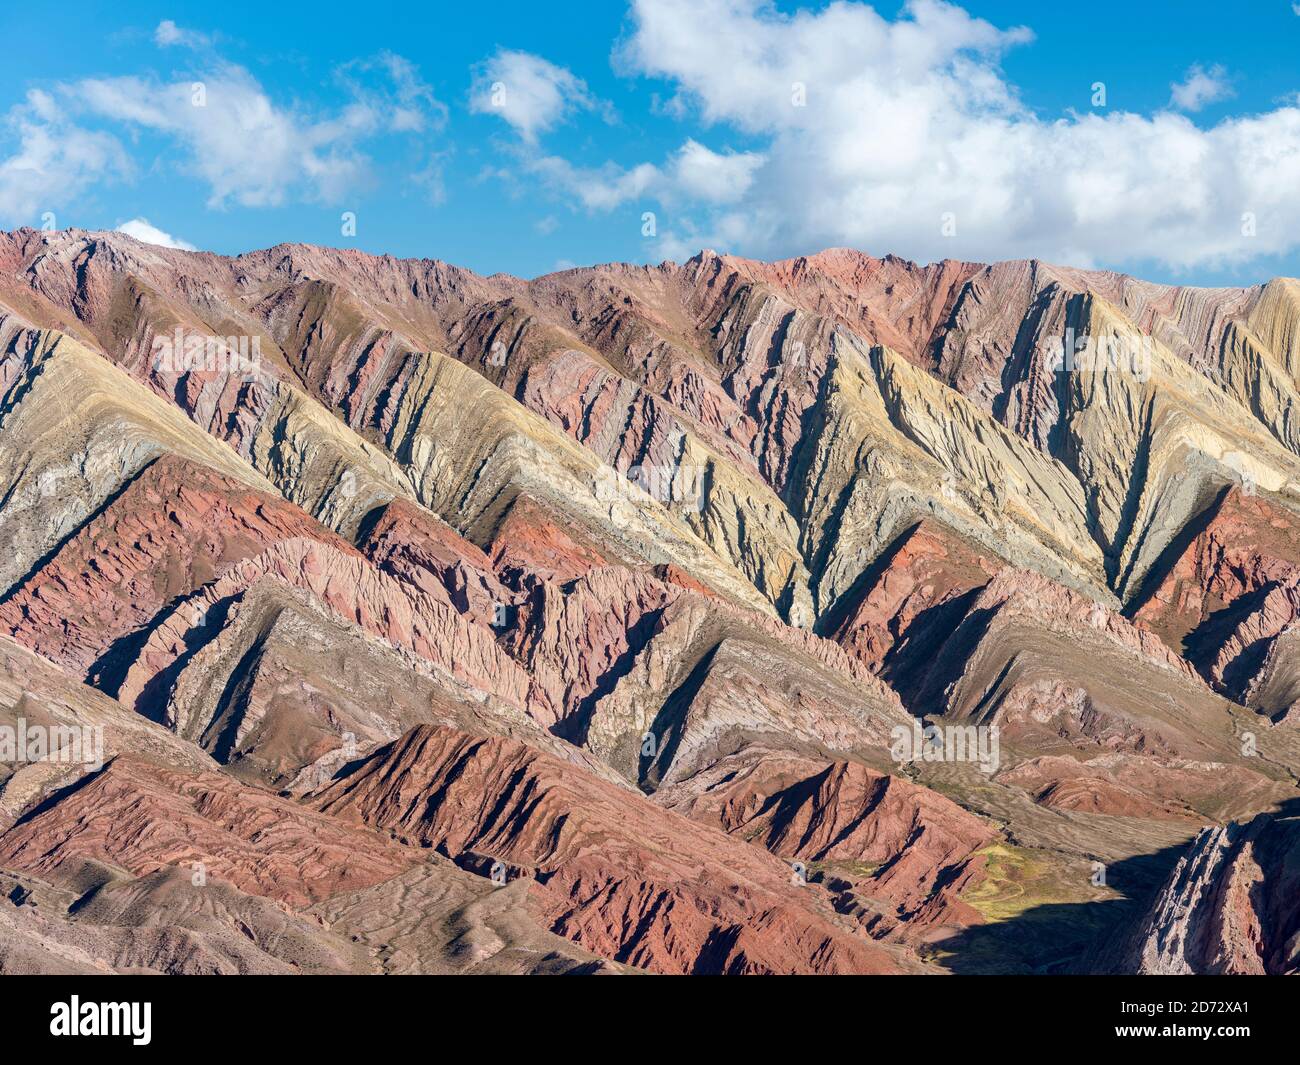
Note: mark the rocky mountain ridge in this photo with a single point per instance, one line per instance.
(594, 617)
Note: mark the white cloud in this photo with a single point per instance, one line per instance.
(700, 173)
(245, 147)
(530, 93)
(167, 34)
(534, 95)
(410, 107)
(54, 162)
(596, 188)
(142, 230)
(251, 150)
(910, 123)
(1200, 88)
(248, 148)
(693, 173)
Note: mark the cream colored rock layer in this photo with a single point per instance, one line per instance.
(73, 430)
(1153, 448)
(894, 445)
(470, 450)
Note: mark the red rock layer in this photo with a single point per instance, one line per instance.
(926, 569)
(1243, 544)
(1054, 608)
(888, 301)
(175, 527)
(670, 574)
(1126, 785)
(616, 873)
(349, 586)
(427, 554)
(1243, 645)
(895, 842)
(570, 637)
(142, 817)
(531, 540)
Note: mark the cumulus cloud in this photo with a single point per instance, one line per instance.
(596, 188)
(53, 162)
(905, 135)
(532, 94)
(150, 234)
(693, 173)
(251, 150)
(1200, 88)
(700, 173)
(248, 148)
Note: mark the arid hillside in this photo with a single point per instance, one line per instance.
(832, 615)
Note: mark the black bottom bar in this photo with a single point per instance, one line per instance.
(806, 1015)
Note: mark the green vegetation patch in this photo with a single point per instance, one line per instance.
(1018, 879)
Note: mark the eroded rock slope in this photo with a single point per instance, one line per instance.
(362, 614)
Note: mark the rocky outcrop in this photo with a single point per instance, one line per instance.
(648, 674)
(1229, 600)
(1059, 673)
(890, 446)
(910, 600)
(437, 919)
(79, 729)
(889, 301)
(1240, 545)
(1131, 785)
(255, 697)
(534, 540)
(1155, 448)
(422, 551)
(75, 430)
(1228, 907)
(433, 634)
(1273, 689)
(162, 922)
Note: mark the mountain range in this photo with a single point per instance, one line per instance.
(831, 615)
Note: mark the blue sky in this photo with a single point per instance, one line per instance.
(526, 137)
